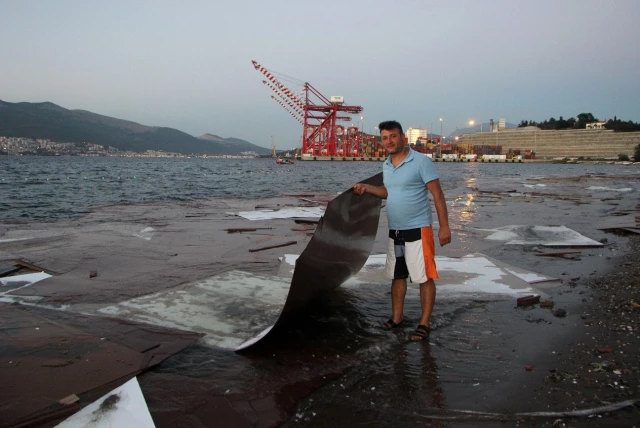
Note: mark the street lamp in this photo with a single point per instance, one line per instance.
(471, 123)
(362, 146)
(441, 129)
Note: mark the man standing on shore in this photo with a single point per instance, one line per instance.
(408, 177)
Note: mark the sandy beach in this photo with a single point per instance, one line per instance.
(489, 362)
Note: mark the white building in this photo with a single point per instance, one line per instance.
(413, 134)
(502, 124)
(596, 125)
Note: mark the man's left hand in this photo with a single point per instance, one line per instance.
(444, 235)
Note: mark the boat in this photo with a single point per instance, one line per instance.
(281, 161)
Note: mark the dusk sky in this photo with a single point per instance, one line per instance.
(187, 65)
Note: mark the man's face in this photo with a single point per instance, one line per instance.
(392, 141)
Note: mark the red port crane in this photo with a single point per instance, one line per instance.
(321, 134)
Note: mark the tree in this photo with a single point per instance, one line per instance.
(562, 124)
(583, 119)
(636, 154)
(621, 126)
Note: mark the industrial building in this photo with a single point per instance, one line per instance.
(413, 134)
(569, 143)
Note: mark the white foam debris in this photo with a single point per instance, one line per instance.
(146, 233)
(376, 260)
(290, 259)
(229, 308)
(550, 236)
(530, 277)
(13, 240)
(125, 406)
(254, 339)
(29, 278)
(285, 212)
(610, 189)
(473, 273)
(20, 281)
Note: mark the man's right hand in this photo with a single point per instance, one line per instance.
(377, 191)
(360, 188)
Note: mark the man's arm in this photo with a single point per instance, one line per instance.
(444, 233)
(362, 188)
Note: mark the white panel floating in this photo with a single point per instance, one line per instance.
(123, 407)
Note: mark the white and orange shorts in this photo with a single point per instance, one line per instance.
(411, 254)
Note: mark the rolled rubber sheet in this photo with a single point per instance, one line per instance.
(338, 249)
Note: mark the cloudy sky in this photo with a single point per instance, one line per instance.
(187, 65)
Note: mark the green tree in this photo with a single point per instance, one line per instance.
(562, 124)
(583, 119)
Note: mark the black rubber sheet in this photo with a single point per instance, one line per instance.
(338, 249)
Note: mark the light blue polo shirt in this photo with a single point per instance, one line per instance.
(408, 205)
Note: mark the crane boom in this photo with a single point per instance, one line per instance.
(296, 117)
(276, 82)
(295, 108)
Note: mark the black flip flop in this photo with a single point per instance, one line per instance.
(391, 324)
(421, 333)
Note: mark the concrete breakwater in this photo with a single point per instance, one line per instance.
(588, 143)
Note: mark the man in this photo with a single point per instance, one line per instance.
(408, 177)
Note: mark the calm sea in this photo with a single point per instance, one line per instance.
(34, 188)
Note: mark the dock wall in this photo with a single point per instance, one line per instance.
(594, 143)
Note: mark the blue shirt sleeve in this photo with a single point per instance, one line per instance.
(428, 171)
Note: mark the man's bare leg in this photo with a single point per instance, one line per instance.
(398, 292)
(427, 300)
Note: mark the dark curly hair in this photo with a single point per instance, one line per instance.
(390, 125)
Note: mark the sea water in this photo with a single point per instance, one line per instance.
(36, 188)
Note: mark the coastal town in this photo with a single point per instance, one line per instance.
(18, 146)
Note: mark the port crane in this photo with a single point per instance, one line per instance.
(319, 116)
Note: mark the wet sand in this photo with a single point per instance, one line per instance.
(331, 364)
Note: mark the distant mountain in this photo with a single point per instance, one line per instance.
(50, 121)
(235, 143)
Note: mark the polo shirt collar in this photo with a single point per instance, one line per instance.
(407, 159)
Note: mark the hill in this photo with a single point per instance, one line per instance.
(50, 121)
(235, 144)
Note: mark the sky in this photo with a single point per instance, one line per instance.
(187, 65)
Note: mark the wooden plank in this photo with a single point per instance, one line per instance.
(286, 244)
(8, 269)
(303, 221)
(32, 267)
(247, 229)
